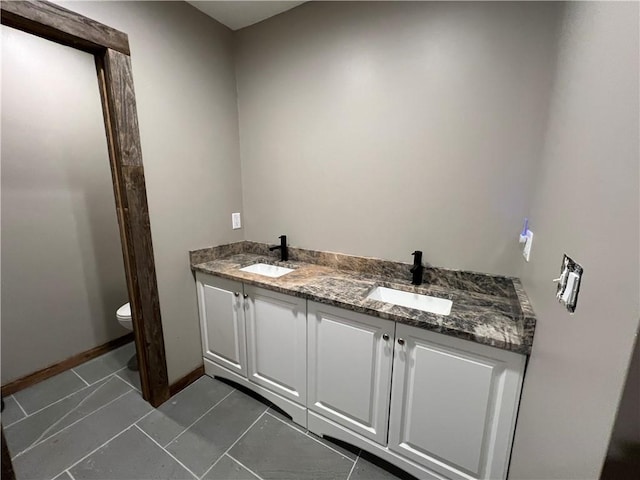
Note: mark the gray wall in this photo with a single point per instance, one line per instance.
(380, 128)
(62, 269)
(626, 430)
(586, 204)
(185, 88)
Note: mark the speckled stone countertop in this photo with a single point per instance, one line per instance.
(487, 309)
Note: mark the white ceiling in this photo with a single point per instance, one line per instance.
(240, 14)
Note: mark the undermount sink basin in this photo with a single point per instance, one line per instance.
(439, 306)
(273, 271)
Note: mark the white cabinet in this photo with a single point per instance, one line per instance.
(257, 338)
(350, 357)
(277, 342)
(437, 406)
(453, 404)
(222, 322)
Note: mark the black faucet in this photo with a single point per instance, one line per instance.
(284, 252)
(417, 268)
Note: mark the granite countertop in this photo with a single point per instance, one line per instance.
(488, 309)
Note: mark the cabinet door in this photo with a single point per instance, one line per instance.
(350, 357)
(277, 342)
(222, 322)
(453, 404)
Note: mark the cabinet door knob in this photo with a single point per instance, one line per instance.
(246, 296)
(385, 336)
(401, 341)
(237, 294)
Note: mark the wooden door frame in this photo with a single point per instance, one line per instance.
(110, 48)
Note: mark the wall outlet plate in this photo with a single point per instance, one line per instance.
(526, 251)
(569, 298)
(235, 221)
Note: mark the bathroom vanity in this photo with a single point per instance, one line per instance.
(434, 394)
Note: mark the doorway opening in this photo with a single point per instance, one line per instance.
(110, 49)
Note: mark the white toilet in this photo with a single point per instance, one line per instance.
(124, 316)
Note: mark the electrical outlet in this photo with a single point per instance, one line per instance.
(235, 221)
(526, 251)
(569, 283)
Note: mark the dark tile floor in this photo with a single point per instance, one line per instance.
(91, 423)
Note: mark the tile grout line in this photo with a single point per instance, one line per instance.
(166, 451)
(108, 375)
(78, 375)
(200, 417)
(23, 410)
(125, 381)
(243, 465)
(68, 469)
(70, 425)
(44, 436)
(291, 424)
(144, 416)
(67, 396)
(12, 424)
(353, 467)
(234, 443)
(306, 434)
(59, 400)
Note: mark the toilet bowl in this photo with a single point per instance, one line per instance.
(124, 316)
